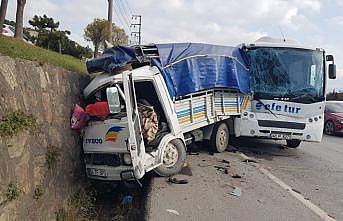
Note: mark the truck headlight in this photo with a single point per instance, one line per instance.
(127, 158)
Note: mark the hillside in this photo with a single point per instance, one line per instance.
(18, 49)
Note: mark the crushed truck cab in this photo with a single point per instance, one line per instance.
(114, 148)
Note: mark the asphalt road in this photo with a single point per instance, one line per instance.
(314, 172)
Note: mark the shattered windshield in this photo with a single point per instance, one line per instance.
(287, 73)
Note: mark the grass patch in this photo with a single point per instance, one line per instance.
(12, 192)
(15, 122)
(51, 157)
(80, 207)
(18, 49)
(82, 202)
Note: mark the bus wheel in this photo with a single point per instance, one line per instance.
(293, 143)
(220, 137)
(174, 156)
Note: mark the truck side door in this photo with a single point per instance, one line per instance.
(135, 142)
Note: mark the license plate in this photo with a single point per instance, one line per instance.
(281, 136)
(97, 172)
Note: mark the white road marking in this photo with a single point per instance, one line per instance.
(321, 213)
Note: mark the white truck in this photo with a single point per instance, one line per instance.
(200, 92)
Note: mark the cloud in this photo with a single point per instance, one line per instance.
(216, 21)
(337, 20)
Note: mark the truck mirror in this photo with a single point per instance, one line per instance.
(332, 71)
(113, 100)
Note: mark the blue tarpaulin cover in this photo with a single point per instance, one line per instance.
(186, 67)
(111, 59)
(193, 67)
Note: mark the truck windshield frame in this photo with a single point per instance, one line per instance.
(289, 74)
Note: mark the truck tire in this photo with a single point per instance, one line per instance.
(174, 157)
(220, 137)
(293, 143)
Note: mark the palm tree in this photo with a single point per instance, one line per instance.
(19, 19)
(3, 10)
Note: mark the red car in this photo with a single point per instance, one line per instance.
(333, 117)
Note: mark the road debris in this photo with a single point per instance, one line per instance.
(297, 191)
(177, 181)
(127, 200)
(236, 192)
(225, 161)
(247, 159)
(204, 165)
(223, 169)
(186, 170)
(173, 212)
(236, 176)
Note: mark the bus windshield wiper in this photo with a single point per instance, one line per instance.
(265, 107)
(306, 95)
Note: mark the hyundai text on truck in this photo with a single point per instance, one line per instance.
(199, 92)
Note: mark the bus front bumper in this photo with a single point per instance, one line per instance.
(277, 129)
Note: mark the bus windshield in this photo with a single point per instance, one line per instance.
(289, 74)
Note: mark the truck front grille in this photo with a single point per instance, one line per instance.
(102, 159)
(281, 124)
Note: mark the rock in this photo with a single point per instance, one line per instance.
(16, 144)
(22, 171)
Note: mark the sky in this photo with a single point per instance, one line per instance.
(317, 23)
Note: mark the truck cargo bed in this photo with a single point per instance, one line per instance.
(202, 109)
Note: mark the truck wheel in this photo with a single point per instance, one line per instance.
(220, 137)
(293, 143)
(174, 156)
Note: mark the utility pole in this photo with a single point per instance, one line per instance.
(110, 13)
(136, 26)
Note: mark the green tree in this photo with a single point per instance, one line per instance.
(119, 37)
(19, 19)
(43, 22)
(51, 38)
(9, 22)
(97, 32)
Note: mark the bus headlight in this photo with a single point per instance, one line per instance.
(127, 158)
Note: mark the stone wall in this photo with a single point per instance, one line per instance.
(48, 94)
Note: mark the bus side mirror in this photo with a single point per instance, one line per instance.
(113, 100)
(332, 67)
(332, 71)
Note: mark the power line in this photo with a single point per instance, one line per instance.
(126, 10)
(120, 12)
(128, 6)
